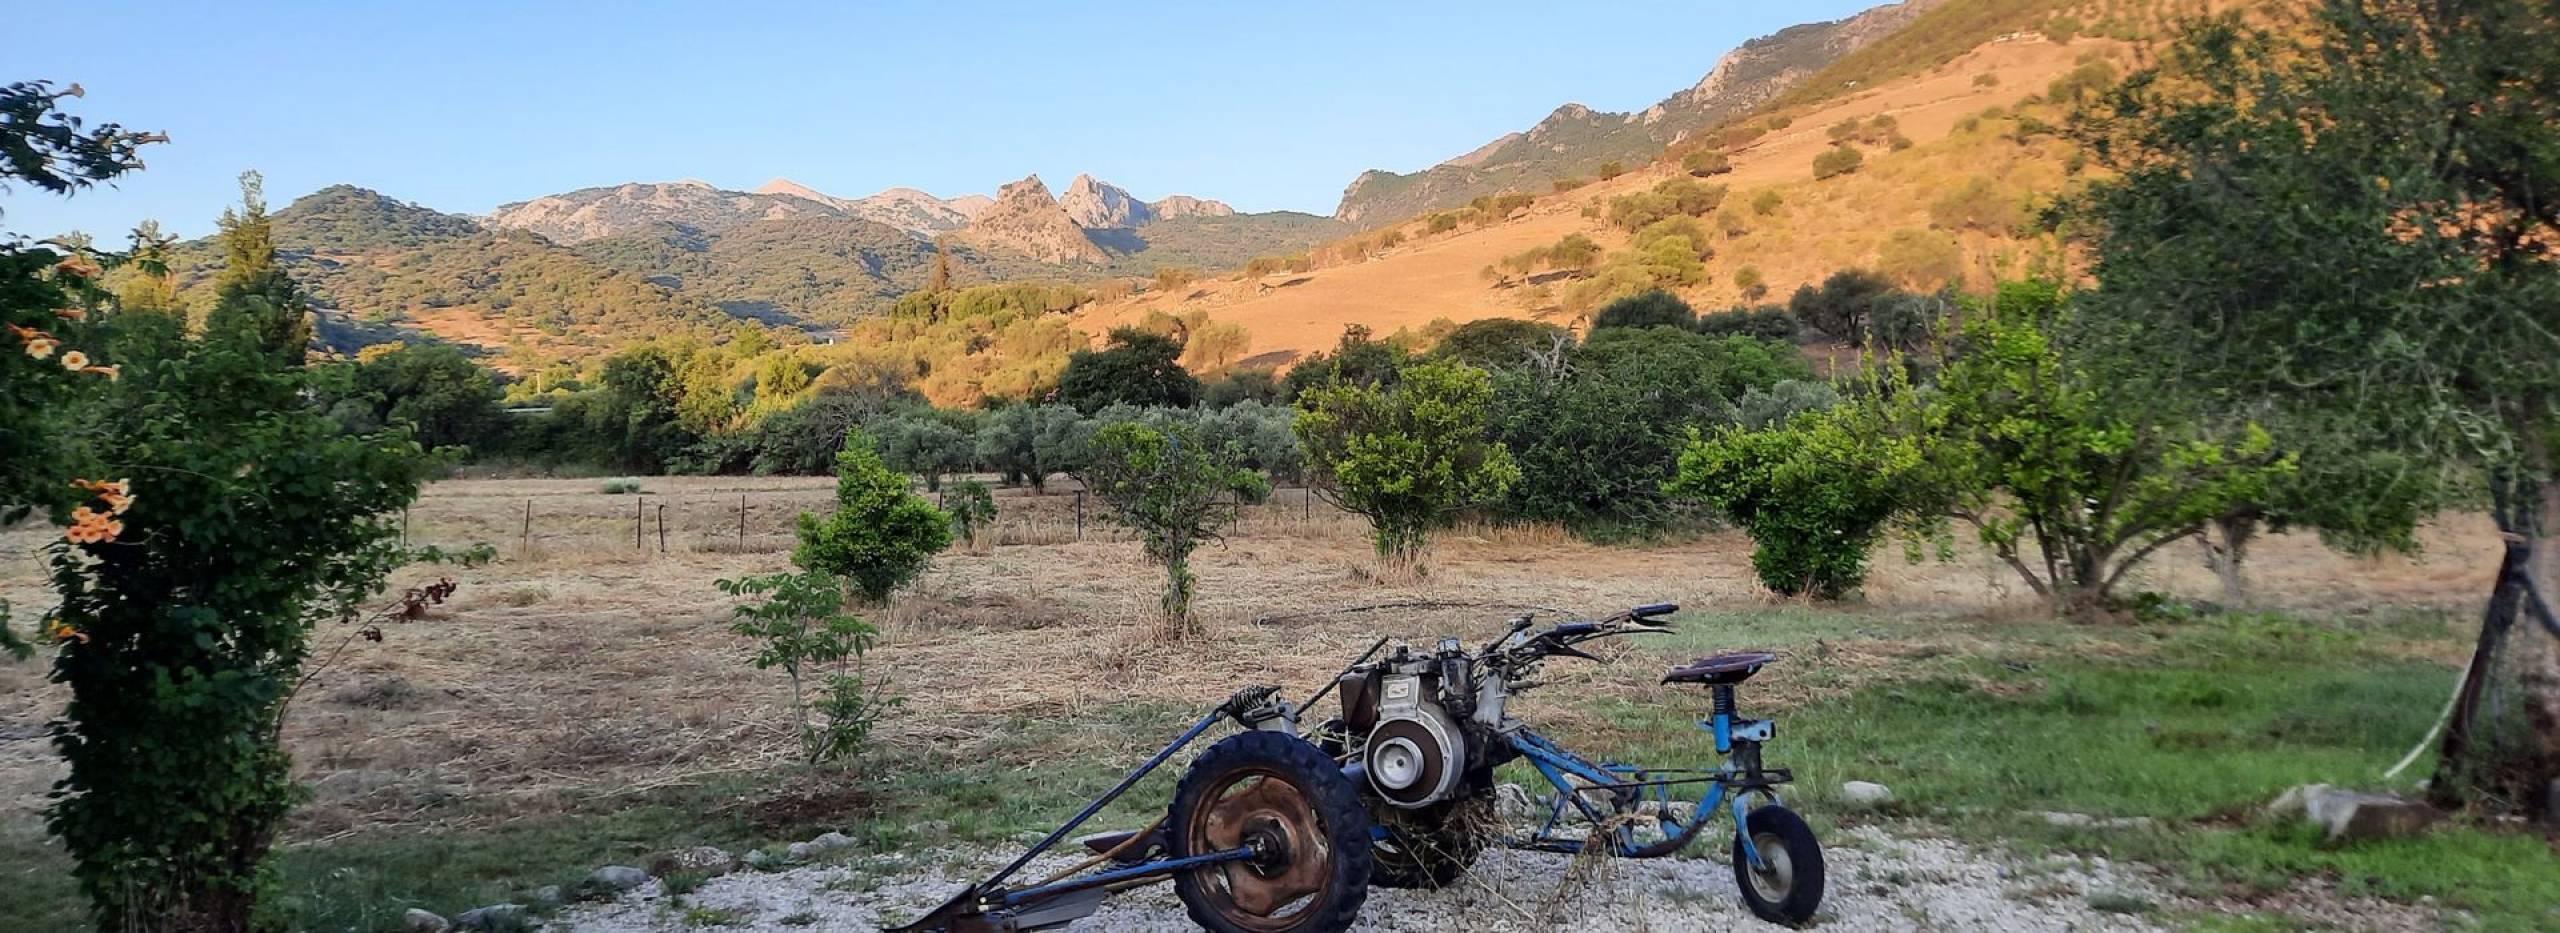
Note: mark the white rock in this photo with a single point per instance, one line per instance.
(759, 859)
(612, 880)
(548, 896)
(835, 840)
(2347, 815)
(800, 851)
(424, 921)
(1511, 803)
(1865, 793)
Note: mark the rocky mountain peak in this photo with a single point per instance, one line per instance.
(1027, 220)
(1095, 205)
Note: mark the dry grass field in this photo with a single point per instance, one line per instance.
(579, 674)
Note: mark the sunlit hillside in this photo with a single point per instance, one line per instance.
(1814, 228)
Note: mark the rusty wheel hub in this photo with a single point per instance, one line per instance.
(1279, 824)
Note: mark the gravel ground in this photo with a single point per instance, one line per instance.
(1878, 881)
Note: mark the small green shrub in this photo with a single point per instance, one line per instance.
(880, 535)
(1767, 202)
(801, 627)
(1655, 308)
(621, 487)
(1612, 169)
(1986, 79)
(1839, 160)
(1814, 495)
(1706, 162)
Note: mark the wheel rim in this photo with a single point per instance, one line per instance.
(1291, 870)
(1773, 884)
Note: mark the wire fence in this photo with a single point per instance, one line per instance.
(764, 519)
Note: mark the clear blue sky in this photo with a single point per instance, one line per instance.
(463, 105)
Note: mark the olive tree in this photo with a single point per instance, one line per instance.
(1406, 455)
(1176, 491)
(2347, 219)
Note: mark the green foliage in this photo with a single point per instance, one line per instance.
(1672, 197)
(1706, 162)
(1243, 385)
(2029, 442)
(2089, 79)
(1842, 307)
(1767, 322)
(1405, 455)
(1749, 280)
(621, 487)
(1028, 443)
(1814, 492)
(1574, 252)
(972, 508)
(800, 626)
(1838, 160)
(1596, 437)
(1176, 490)
(440, 395)
(1611, 169)
(1137, 368)
(1650, 309)
(184, 632)
(1767, 202)
(1500, 342)
(1358, 359)
(880, 535)
(927, 444)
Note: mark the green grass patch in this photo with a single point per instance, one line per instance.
(2193, 726)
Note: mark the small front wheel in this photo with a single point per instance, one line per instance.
(1789, 889)
(1279, 796)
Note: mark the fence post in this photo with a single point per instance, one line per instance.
(1079, 515)
(662, 528)
(742, 521)
(1306, 504)
(639, 508)
(524, 539)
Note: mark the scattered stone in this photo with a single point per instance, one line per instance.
(493, 917)
(831, 840)
(424, 921)
(1865, 793)
(761, 860)
(699, 860)
(2067, 818)
(800, 851)
(1511, 803)
(548, 896)
(2347, 815)
(612, 880)
(930, 829)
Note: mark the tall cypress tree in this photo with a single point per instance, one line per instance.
(254, 298)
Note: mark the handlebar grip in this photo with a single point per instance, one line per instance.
(1570, 629)
(1657, 609)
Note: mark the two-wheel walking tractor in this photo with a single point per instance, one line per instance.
(1283, 829)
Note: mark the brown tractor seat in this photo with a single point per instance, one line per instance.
(1720, 670)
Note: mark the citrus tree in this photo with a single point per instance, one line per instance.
(1407, 454)
(881, 535)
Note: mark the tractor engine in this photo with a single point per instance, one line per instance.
(1418, 722)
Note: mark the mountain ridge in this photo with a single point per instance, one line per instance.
(1574, 140)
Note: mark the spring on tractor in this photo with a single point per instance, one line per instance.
(1724, 700)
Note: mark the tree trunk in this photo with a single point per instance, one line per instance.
(2482, 762)
(2226, 545)
(2538, 653)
